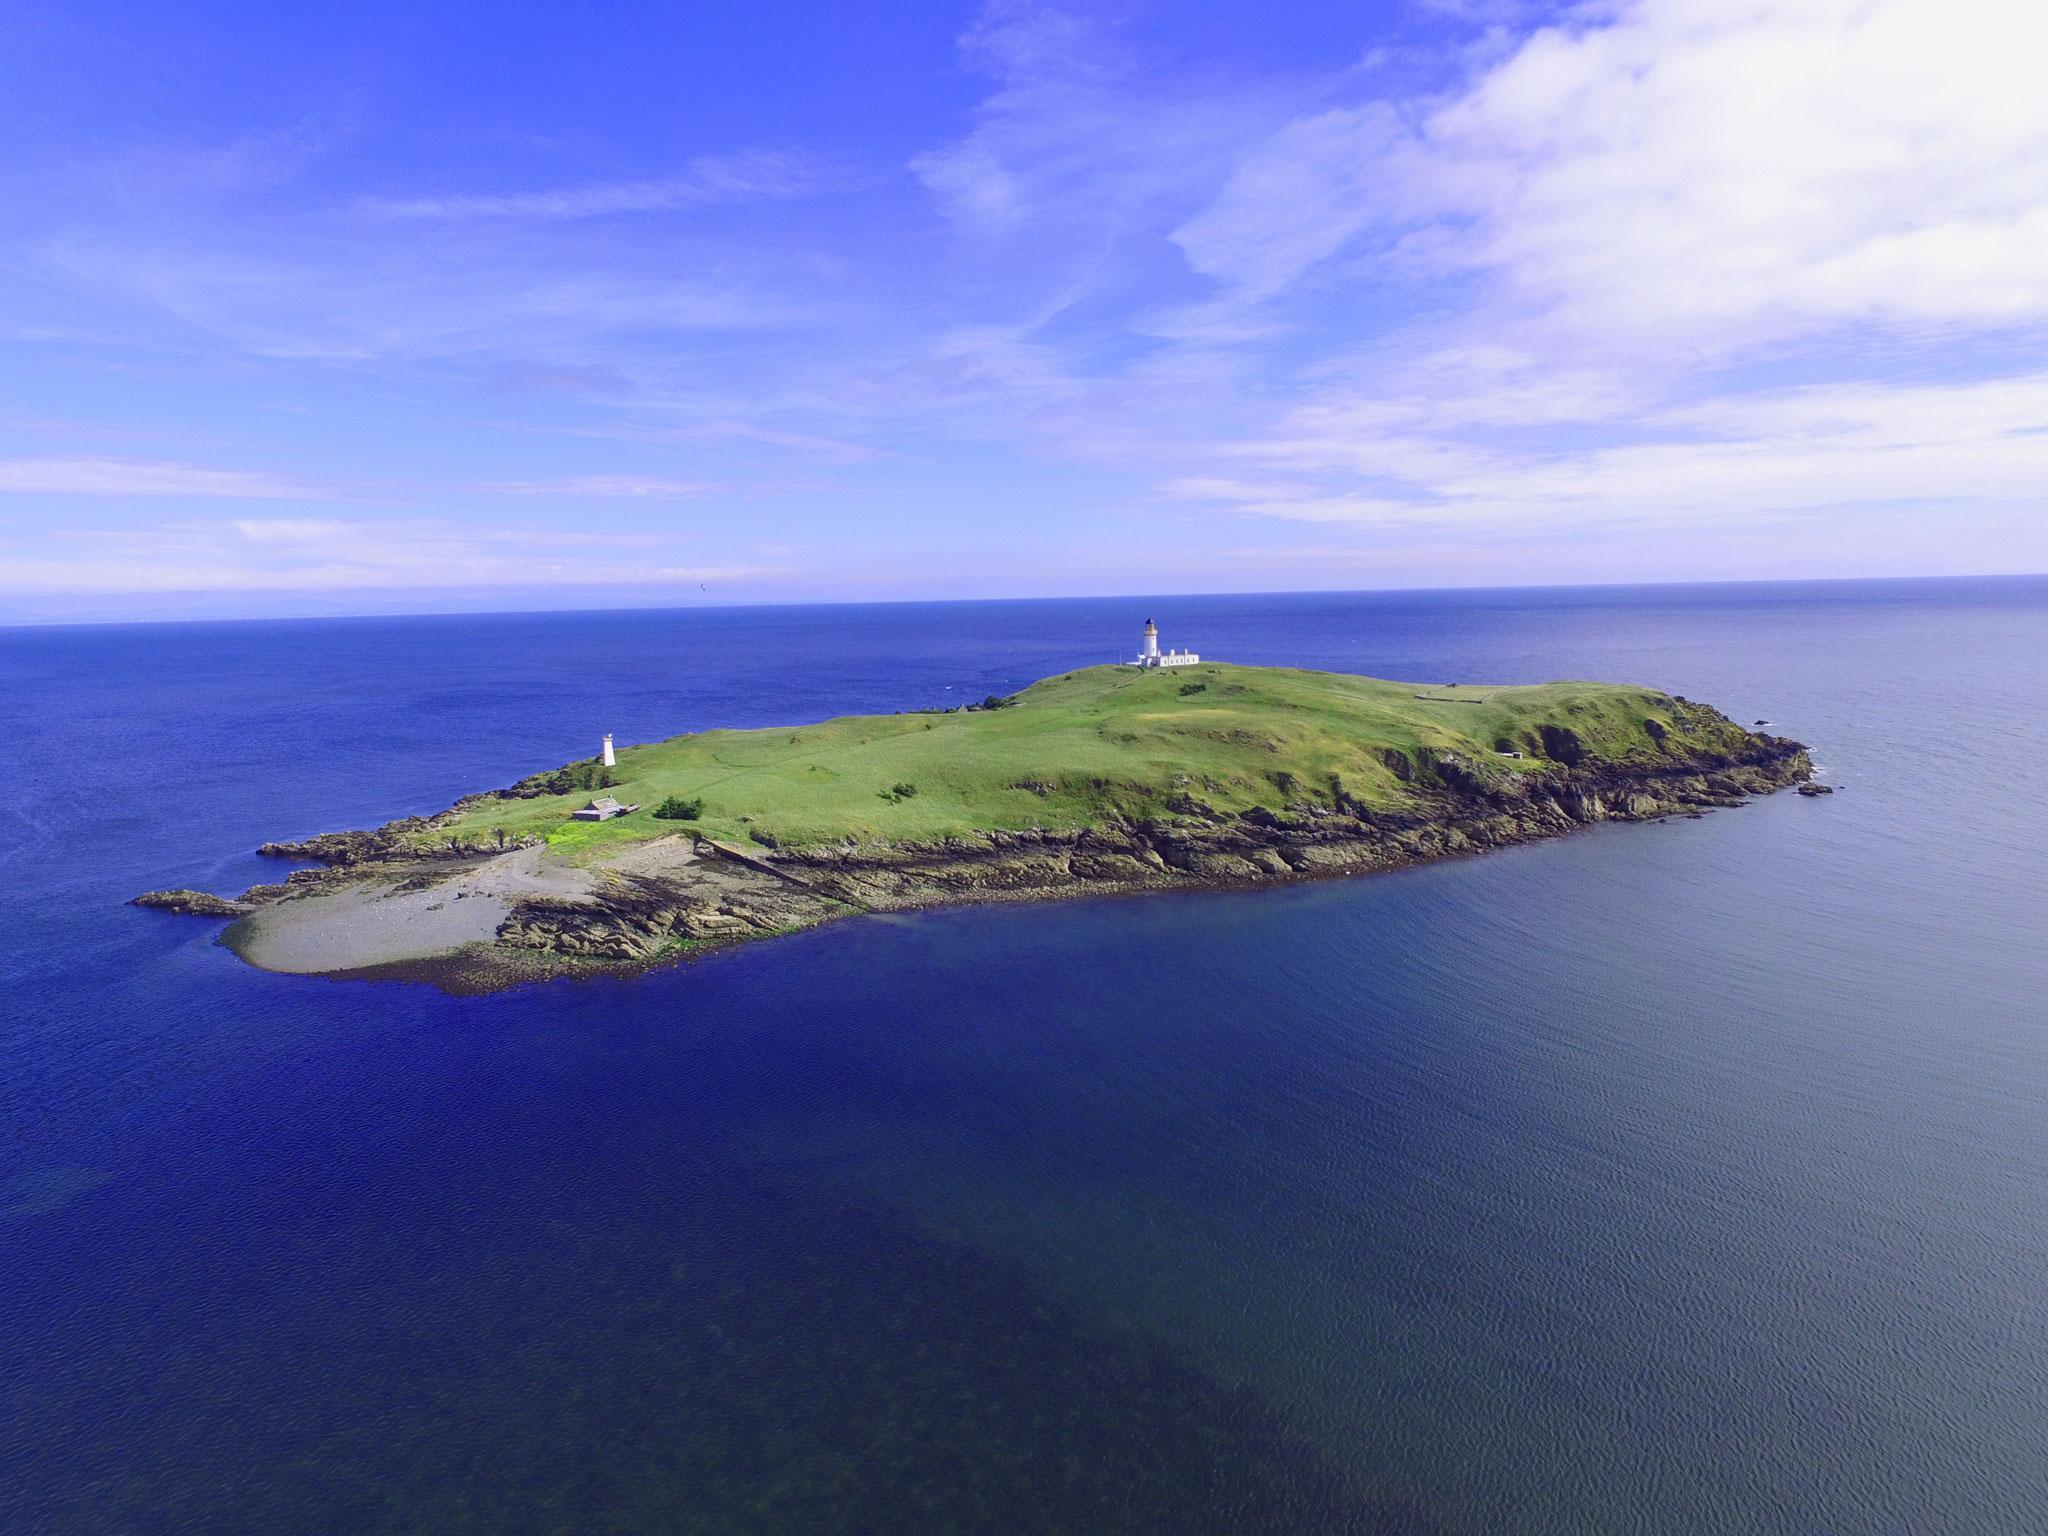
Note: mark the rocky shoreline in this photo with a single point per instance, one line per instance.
(483, 918)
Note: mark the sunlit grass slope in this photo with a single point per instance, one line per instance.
(1106, 742)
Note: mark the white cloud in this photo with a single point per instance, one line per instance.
(1611, 223)
(144, 478)
(1700, 173)
(1727, 462)
(1707, 165)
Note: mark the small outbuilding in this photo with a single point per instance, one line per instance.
(603, 808)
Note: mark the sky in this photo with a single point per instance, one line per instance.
(419, 305)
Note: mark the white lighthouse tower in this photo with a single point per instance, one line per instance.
(1149, 654)
(607, 757)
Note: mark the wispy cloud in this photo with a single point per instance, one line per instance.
(1724, 462)
(704, 426)
(146, 478)
(1297, 199)
(607, 488)
(304, 554)
(1054, 78)
(1077, 140)
(307, 301)
(708, 179)
(1230, 489)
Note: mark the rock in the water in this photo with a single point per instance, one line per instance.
(195, 903)
(1810, 790)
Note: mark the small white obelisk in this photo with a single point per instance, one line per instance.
(606, 756)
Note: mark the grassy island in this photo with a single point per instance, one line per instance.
(1100, 745)
(1106, 779)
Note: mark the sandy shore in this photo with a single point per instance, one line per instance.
(362, 926)
(397, 921)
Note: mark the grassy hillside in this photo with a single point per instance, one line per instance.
(1104, 741)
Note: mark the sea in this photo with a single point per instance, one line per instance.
(1673, 1178)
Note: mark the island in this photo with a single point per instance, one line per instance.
(1103, 780)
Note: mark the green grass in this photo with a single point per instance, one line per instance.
(1099, 743)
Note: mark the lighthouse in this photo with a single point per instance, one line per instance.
(1149, 654)
(606, 756)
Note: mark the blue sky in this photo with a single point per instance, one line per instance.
(323, 309)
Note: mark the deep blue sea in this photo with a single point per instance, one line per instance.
(1689, 1177)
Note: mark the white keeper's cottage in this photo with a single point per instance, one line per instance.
(1149, 654)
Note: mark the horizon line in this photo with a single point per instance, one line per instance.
(1043, 597)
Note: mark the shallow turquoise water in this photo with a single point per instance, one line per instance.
(1681, 1178)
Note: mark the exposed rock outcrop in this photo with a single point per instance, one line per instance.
(194, 903)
